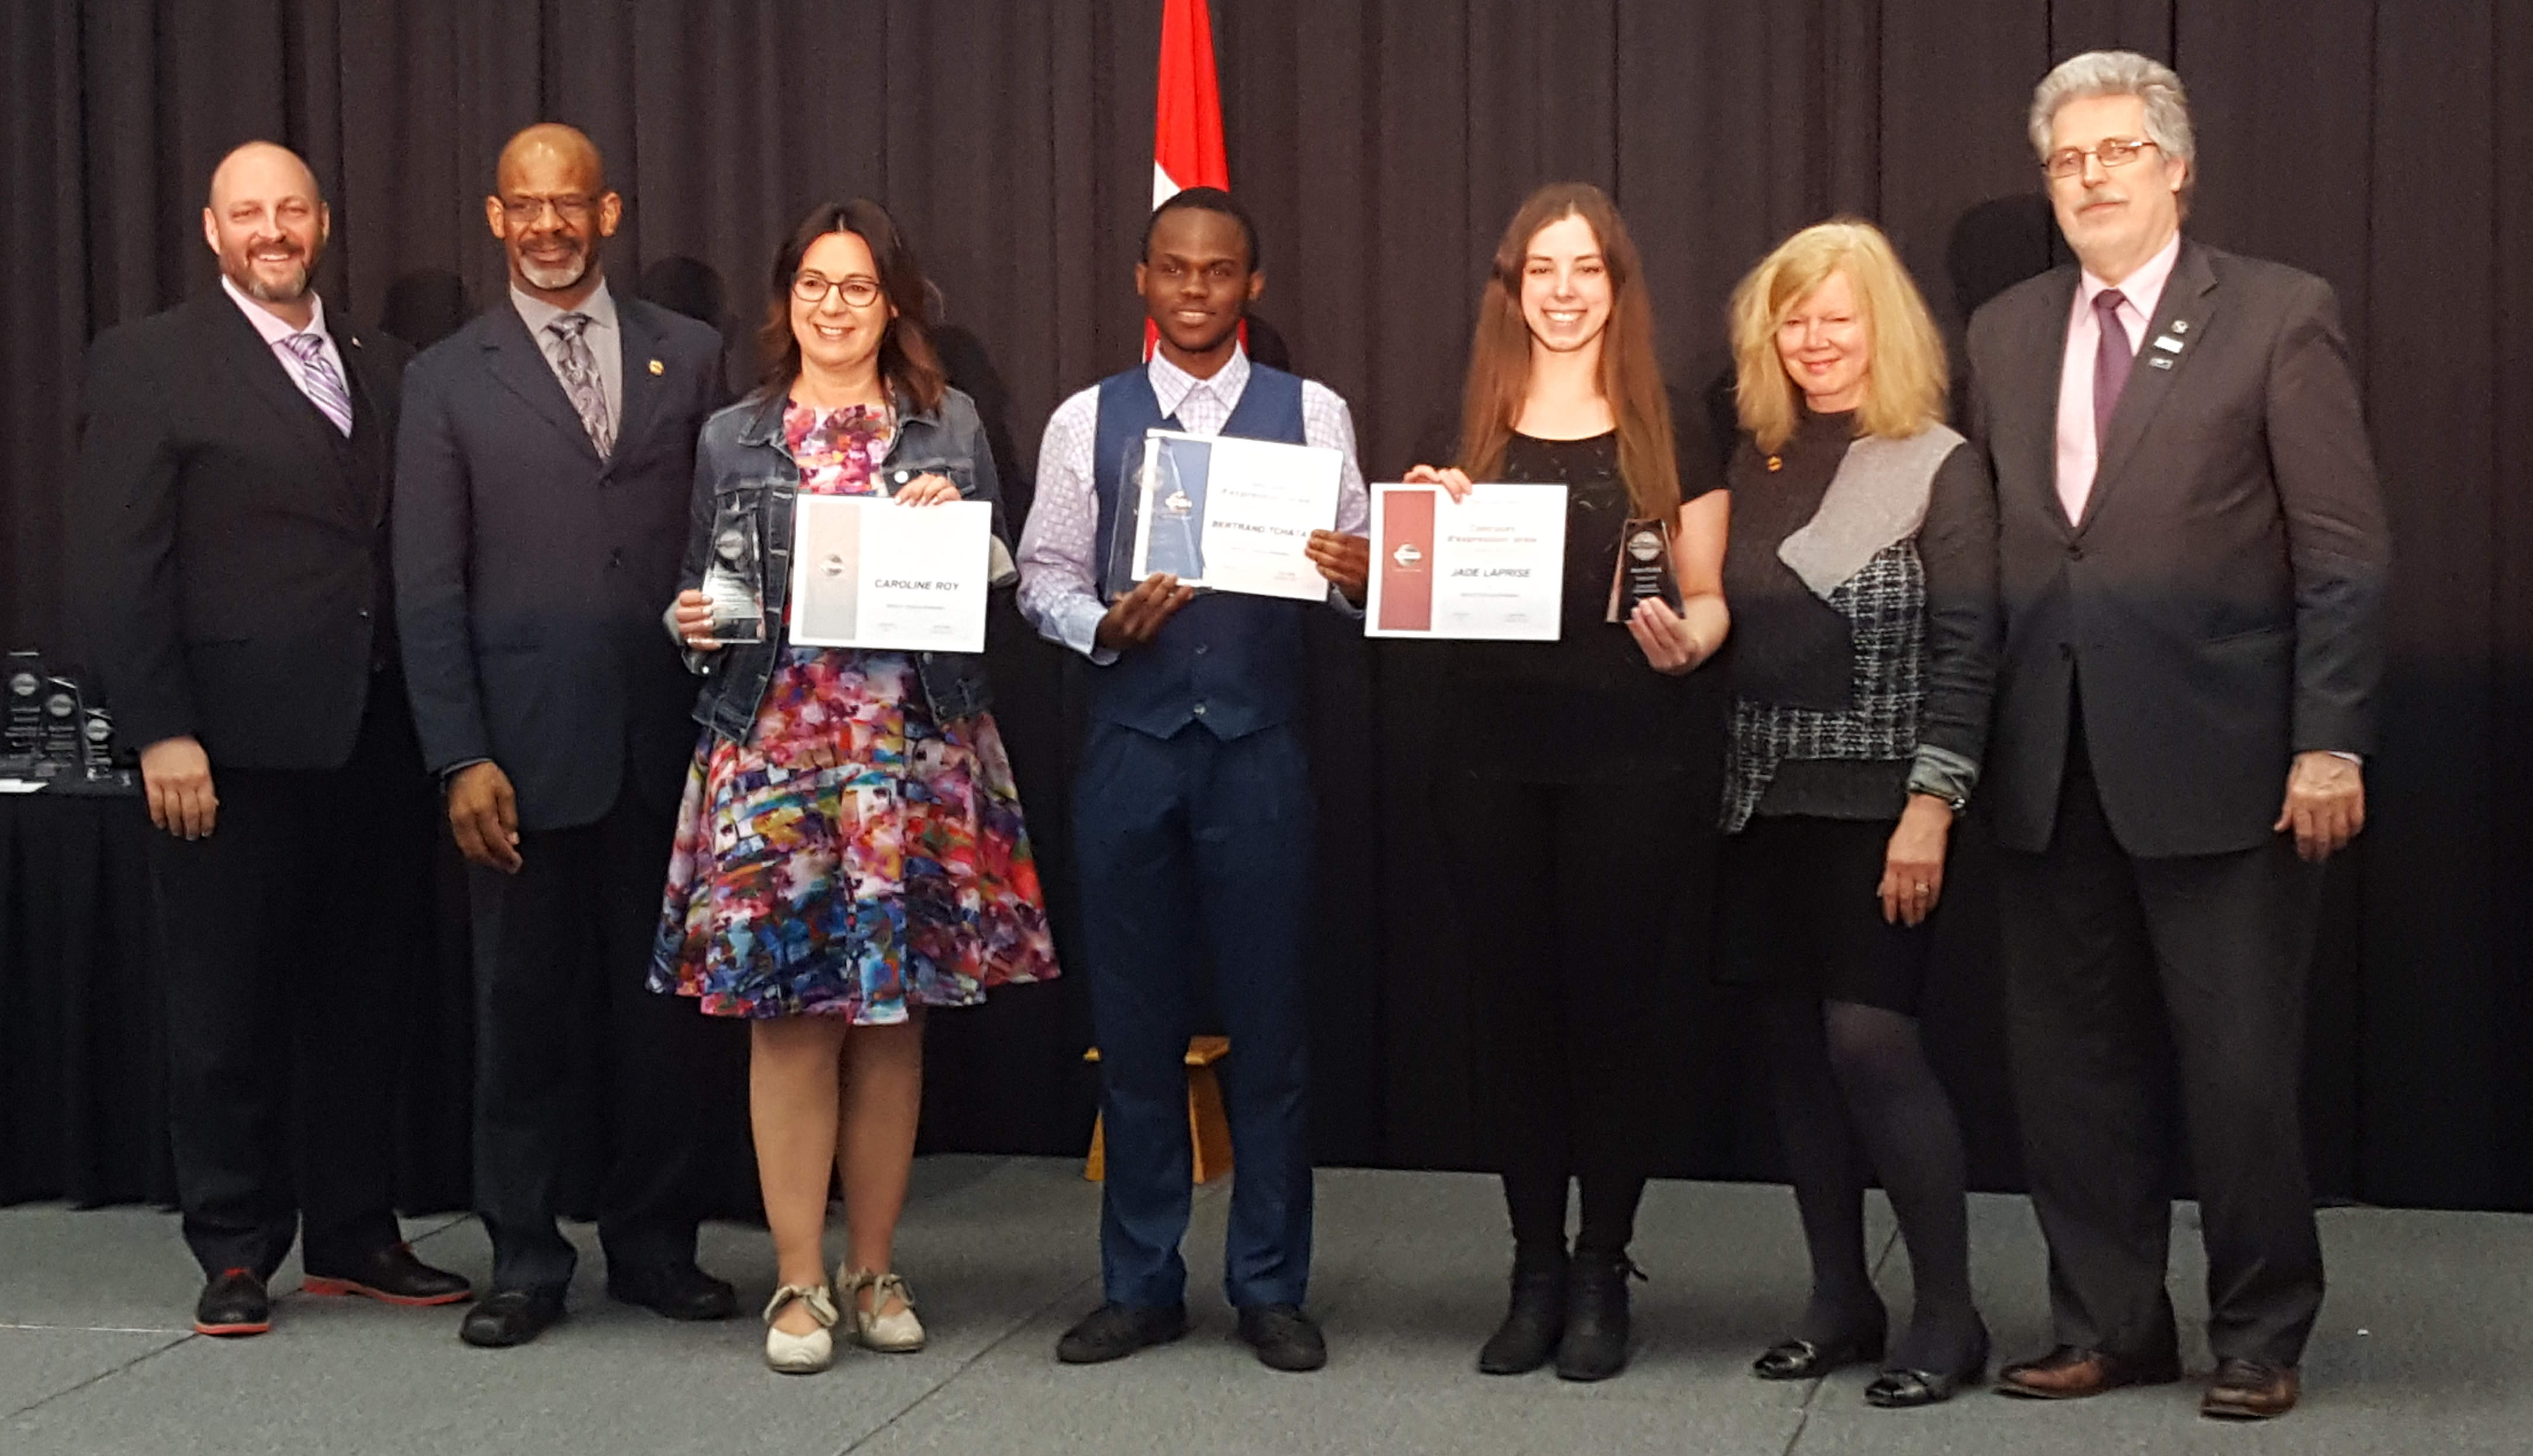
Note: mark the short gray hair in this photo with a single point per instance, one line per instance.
(2118, 72)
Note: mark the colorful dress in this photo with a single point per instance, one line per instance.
(852, 857)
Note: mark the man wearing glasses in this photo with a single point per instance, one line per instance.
(546, 452)
(2192, 558)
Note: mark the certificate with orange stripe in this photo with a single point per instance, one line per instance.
(1487, 568)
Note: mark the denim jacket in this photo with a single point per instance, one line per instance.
(742, 457)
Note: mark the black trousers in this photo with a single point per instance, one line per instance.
(2108, 955)
(562, 947)
(287, 987)
(1570, 893)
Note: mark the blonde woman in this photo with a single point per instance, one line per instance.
(1859, 572)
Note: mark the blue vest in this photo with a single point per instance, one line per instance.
(1230, 661)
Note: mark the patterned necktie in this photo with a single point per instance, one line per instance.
(579, 370)
(319, 380)
(2111, 363)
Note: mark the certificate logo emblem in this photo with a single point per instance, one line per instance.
(1408, 556)
(832, 564)
(1177, 502)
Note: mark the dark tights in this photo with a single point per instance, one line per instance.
(1853, 1089)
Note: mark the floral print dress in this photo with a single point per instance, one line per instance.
(854, 858)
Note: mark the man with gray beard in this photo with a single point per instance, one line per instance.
(545, 458)
(231, 524)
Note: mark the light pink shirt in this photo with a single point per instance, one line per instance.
(2078, 451)
(275, 330)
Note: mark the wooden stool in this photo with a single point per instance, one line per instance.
(1208, 1134)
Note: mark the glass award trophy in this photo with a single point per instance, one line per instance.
(1644, 568)
(735, 577)
(22, 714)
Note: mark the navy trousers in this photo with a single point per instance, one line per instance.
(1183, 843)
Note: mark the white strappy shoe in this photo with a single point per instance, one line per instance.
(800, 1354)
(895, 1334)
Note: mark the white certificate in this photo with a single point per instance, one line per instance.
(1491, 567)
(869, 572)
(1235, 515)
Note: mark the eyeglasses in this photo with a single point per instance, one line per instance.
(572, 208)
(813, 288)
(2118, 152)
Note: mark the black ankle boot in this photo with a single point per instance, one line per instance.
(1533, 1321)
(1595, 1345)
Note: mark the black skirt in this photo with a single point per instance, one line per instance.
(1800, 914)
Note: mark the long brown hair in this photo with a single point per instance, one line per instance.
(907, 362)
(1630, 375)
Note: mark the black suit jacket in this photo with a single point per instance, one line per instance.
(2221, 600)
(531, 576)
(231, 542)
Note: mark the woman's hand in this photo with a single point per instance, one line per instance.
(1668, 641)
(1451, 478)
(694, 618)
(926, 490)
(1912, 867)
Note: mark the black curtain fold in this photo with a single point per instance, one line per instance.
(1382, 144)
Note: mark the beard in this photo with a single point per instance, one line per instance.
(241, 271)
(555, 277)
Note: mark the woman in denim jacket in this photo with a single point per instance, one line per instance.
(850, 850)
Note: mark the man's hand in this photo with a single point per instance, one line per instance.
(1343, 559)
(2325, 805)
(694, 618)
(1912, 866)
(1137, 616)
(177, 773)
(484, 814)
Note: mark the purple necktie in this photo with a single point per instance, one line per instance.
(317, 380)
(2111, 363)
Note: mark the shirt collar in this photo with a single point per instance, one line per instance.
(273, 327)
(535, 313)
(2142, 289)
(1172, 384)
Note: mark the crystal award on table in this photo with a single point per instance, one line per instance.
(734, 576)
(22, 714)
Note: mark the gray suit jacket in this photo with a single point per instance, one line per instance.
(2221, 600)
(531, 574)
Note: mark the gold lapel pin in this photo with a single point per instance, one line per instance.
(658, 368)
(1776, 463)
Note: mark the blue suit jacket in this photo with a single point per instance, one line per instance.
(531, 574)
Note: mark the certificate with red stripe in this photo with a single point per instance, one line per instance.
(1491, 567)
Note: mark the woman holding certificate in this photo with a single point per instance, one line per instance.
(1861, 571)
(850, 850)
(1563, 788)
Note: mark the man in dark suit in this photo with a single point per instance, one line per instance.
(233, 506)
(2190, 558)
(547, 455)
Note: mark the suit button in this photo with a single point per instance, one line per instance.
(365, 614)
(2075, 552)
(615, 557)
(1200, 649)
(1200, 710)
(2067, 650)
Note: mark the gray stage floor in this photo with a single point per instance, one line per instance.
(2423, 1347)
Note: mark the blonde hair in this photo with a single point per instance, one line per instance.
(1906, 374)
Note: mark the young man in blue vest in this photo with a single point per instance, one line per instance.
(1193, 810)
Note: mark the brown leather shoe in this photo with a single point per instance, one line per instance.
(2250, 1390)
(2070, 1373)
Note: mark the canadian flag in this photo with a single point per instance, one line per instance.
(1186, 117)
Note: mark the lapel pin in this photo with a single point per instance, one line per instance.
(2168, 344)
(658, 368)
(2161, 361)
(1776, 462)
(2180, 326)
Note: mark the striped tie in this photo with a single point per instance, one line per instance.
(317, 380)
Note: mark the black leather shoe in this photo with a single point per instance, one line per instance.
(1803, 1360)
(393, 1275)
(1907, 1389)
(1285, 1338)
(1533, 1322)
(511, 1317)
(677, 1291)
(1115, 1331)
(234, 1304)
(1594, 1346)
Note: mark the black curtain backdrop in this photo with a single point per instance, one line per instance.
(1382, 144)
